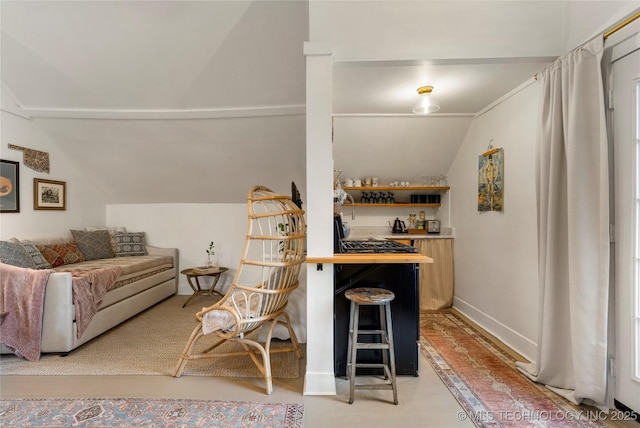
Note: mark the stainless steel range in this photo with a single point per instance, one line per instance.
(374, 246)
(342, 245)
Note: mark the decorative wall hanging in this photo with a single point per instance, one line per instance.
(9, 186)
(34, 159)
(491, 180)
(49, 194)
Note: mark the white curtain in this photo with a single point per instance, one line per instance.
(573, 228)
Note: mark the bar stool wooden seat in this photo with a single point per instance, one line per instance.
(371, 297)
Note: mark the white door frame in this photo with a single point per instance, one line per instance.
(623, 83)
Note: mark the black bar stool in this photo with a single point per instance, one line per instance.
(371, 297)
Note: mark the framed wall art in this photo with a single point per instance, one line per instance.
(491, 180)
(49, 194)
(9, 186)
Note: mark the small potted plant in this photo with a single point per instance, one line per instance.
(210, 252)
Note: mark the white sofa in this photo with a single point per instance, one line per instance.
(140, 286)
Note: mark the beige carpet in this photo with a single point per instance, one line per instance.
(148, 344)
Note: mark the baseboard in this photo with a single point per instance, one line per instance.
(511, 338)
(628, 411)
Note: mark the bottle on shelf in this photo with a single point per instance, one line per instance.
(398, 195)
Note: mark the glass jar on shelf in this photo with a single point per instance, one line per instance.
(421, 223)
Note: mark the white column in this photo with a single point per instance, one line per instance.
(319, 377)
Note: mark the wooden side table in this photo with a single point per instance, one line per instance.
(192, 276)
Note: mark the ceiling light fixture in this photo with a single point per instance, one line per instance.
(426, 105)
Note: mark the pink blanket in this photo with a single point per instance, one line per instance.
(89, 287)
(22, 299)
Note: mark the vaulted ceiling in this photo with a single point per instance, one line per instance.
(173, 101)
(195, 101)
(154, 55)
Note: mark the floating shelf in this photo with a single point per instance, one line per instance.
(397, 204)
(398, 188)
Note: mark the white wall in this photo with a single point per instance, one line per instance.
(190, 228)
(396, 148)
(381, 216)
(85, 204)
(496, 252)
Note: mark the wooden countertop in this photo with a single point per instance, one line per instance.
(379, 258)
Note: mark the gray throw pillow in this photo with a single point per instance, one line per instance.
(130, 244)
(38, 259)
(93, 245)
(112, 232)
(13, 253)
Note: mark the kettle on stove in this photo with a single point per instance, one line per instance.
(398, 226)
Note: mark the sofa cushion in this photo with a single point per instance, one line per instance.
(93, 245)
(112, 233)
(13, 253)
(61, 254)
(130, 244)
(38, 259)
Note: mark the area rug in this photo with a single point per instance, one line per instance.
(127, 412)
(149, 344)
(484, 380)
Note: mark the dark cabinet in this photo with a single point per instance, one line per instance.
(402, 280)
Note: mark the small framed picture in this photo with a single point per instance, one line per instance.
(49, 194)
(9, 186)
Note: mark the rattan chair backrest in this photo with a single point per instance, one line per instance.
(271, 259)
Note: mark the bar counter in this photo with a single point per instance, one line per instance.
(396, 272)
(375, 258)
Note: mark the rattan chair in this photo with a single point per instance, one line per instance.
(268, 273)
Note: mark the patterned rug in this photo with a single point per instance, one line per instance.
(484, 380)
(125, 412)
